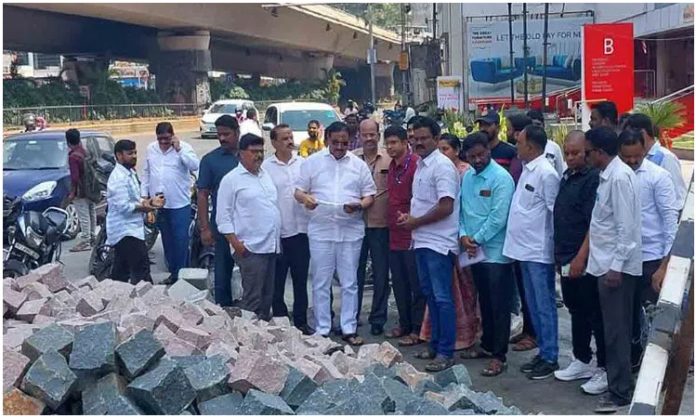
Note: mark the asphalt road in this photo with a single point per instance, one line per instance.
(547, 396)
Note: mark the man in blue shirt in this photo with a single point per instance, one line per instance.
(486, 194)
(214, 166)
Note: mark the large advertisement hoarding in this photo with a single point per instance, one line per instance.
(608, 66)
(490, 68)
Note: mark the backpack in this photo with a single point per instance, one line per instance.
(94, 176)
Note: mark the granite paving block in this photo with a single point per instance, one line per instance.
(50, 379)
(163, 390)
(138, 353)
(51, 338)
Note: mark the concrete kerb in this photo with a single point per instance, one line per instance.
(126, 126)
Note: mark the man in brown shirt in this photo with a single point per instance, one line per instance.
(376, 241)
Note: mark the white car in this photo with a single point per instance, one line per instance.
(219, 108)
(297, 115)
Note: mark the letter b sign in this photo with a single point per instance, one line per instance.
(608, 46)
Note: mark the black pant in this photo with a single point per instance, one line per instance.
(617, 316)
(224, 265)
(527, 326)
(494, 287)
(644, 295)
(295, 257)
(376, 244)
(581, 297)
(131, 262)
(410, 301)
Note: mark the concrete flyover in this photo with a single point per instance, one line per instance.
(291, 41)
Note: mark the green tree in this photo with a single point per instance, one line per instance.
(334, 82)
(385, 15)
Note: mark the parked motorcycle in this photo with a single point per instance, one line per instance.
(394, 117)
(31, 239)
(101, 259)
(200, 255)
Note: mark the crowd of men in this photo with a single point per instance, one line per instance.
(462, 232)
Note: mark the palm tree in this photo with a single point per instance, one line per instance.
(664, 115)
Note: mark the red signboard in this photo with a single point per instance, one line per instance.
(608, 64)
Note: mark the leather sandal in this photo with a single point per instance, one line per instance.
(410, 340)
(396, 332)
(474, 353)
(439, 364)
(494, 368)
(353, 339)
(525, 344)
(427, 354)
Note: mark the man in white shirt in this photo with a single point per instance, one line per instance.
(553, 150)
(125, 230)
(250, 125)
(659, 154)
(167, 172)
(336, 186)
(615, 258)
(248, 216)
(284, 169)
(659, 222)
(529, 240)
(434, 220)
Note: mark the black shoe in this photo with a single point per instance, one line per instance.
(543, 370)
(528, 367)
(306, 329)
(376, 329)
(609, 404)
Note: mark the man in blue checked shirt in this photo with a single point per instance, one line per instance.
(125, 230)
(486, 194)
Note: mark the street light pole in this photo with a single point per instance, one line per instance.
(404, 89)
(372, 56)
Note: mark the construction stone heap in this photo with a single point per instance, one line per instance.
(110, 347)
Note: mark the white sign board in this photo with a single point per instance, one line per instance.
(450, 93)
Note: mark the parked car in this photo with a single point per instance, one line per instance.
(297, 115)
(35, 168)
(219, 108)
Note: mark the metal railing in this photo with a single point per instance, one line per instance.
(676, 95)
(670, 342)
(68, 114)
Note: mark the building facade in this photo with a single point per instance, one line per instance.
(663, 42)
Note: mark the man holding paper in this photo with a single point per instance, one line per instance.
(336, 187)
(486, 194)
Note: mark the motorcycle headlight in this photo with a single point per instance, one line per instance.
(40, 191)
(33, 239)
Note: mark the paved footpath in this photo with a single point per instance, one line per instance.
(547, 396)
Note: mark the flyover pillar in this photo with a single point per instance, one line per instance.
(181, 65)
(384, 80)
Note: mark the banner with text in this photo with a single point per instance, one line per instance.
(490, 67)
(449, 93)
(608, 66)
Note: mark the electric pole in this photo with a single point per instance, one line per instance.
(546, 49)
(372, 54)
(526, 55)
